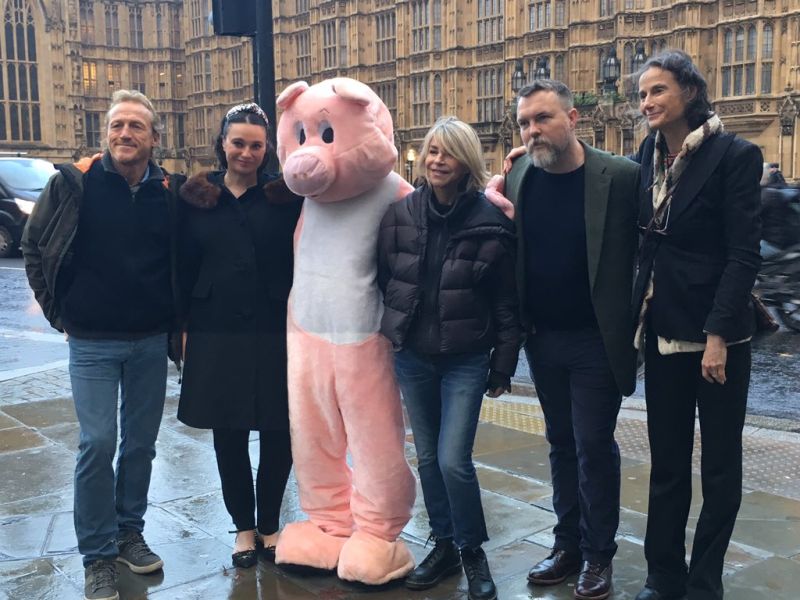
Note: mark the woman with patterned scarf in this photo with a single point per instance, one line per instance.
(698, 261)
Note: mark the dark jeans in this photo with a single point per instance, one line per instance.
(580, 400)
(274, 464)
(674, 387)
(443, 395)
(101, 372)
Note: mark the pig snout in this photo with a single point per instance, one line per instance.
(309, 172)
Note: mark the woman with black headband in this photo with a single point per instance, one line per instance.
(235, 272)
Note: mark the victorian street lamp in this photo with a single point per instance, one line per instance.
(518, 78)
(638, 61)
(411, 156)
(542, 70)
(610, 73)
(639, 58)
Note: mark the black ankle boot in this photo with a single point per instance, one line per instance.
(479, 578)
(442, 562)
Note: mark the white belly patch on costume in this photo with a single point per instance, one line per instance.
(335, 293)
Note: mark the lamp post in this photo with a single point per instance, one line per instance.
(542, 70)
(611, 69)
(517, 78)
(639, 58)
(637, 62)
(411, 156)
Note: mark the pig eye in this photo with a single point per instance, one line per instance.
(326, 132)
(300, 133)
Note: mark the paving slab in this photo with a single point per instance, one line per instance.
(513, 486)
(182, 468)
(48, 503)
(44, 413)
(185, 561)
(24, 537)
(775, 578)
(35, 472)
(36, 579)
(768, 522)
(188, 525)
(15, 439)
(67, 435)
(7, 422)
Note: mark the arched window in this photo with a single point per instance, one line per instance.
(739, 62)
(766, 43)
(751, 43)
(437, 97)
(727, 51)
(750, 65)
(19, 81)
(766, 59)
(343, 46)
(627, 58)
(739, 54)
(601, 58)
(559, 73)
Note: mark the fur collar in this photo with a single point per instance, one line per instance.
(199, 192)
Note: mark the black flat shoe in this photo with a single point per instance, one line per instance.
(245, 559)
(268, 553)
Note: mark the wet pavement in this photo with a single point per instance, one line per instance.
(27, 344)
(187, 523)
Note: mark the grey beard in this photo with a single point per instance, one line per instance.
(544, 157)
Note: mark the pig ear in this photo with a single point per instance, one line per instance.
(354, 91)
(290, 94)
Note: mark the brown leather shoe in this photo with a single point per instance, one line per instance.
(555, 568)
(594, 582)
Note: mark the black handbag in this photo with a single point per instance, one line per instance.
(765, 322)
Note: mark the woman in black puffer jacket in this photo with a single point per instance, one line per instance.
(447, 272)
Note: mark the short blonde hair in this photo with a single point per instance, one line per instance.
(460, 141)
(121, 96)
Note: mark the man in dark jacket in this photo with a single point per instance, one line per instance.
(97, 255)
(576, 223)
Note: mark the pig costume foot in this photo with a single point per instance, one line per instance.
(305, 544)
(371, 560)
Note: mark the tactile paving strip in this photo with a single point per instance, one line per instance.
(770, 464)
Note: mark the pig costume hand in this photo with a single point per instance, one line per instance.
(335, 144)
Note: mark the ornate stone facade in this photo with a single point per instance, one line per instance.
(432, 57)
(62, 59)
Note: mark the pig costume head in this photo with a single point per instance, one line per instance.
(335, 139)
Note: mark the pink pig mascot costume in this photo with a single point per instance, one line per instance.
(335, 143)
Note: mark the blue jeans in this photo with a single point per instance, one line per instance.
(443, 395)
(105, 504)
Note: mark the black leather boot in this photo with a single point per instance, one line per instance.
(443, 561)
(479, 578)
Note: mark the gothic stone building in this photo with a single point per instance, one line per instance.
(427, 58)
(62, 59)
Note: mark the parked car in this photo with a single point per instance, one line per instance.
(21, 181)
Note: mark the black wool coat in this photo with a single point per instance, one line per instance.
(705, 259)
(235, 272)
(477, 296)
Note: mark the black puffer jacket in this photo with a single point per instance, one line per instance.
(477, 298)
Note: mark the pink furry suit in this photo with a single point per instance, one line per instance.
(335, 144)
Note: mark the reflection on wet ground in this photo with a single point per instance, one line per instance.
(187, 523)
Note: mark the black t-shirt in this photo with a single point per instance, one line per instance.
(556, 267)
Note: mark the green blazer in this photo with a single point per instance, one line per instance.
(611, 243)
